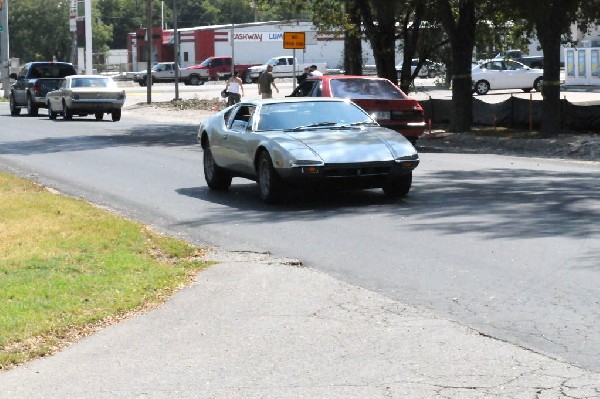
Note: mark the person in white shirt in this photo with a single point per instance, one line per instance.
(314, 71)
(234, 89)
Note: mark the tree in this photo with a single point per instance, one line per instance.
(353, 40)
(551, 22)
(342, 16)
(124, 16)
(458, 19)
(30, 20)
(410, 30)
(379, 20)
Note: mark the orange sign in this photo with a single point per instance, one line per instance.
(294, 40)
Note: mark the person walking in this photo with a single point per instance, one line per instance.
(234, 89)
(265, 82)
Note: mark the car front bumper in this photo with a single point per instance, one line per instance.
(369, 175)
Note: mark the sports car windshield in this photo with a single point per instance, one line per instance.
(366, 88)
(311, 115)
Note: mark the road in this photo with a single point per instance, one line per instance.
(509, 246)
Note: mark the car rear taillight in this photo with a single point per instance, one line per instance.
(121, 96)
(37, 89)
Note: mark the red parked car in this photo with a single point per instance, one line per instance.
(378, 96)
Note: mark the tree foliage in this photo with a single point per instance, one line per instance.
(39, 30)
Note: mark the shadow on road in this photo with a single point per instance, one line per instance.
(151, 135)
(499, 203)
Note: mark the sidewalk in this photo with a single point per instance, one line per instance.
(258, 327)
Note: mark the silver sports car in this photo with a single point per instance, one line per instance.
(297, 142)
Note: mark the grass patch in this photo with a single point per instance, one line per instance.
(68, 268)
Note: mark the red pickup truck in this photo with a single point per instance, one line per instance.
(213, 68)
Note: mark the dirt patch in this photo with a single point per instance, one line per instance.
(177, 111)
(577, 146)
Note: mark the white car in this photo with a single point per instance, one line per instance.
(500, 74)
(429, 69)
(83, 95)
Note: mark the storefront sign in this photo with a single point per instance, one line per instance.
(258, 36)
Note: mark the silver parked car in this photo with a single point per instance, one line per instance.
(498, 74)
(300, 142)
(86, 94)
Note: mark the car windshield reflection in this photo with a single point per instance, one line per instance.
(311, 115)
(366, 88)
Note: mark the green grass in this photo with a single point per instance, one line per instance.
(67, 268)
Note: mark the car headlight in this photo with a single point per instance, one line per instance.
(299, 163)
(408, 161)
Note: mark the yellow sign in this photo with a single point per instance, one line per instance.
(293, 40)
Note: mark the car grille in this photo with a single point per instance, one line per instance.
(348, 172)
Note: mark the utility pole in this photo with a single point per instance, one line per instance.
(176, 44)
(149, 51)
(88, 37)
(4, 56)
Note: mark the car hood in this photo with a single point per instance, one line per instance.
(351, 145)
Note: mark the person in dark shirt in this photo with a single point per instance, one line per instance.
(265, 82)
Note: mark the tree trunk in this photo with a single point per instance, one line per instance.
(462, 38)
(353, 41)
(384, 52)
(551, 117)
(410, 37)
(549, 37)
(381, 32)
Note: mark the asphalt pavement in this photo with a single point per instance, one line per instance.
(256, 326)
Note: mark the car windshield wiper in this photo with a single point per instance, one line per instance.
(312, 125)
(363, 123)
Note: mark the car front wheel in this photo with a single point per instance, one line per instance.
(14, 110)
(269, 183)
(482, 87)
(116, 115)
(216, 177)
(194, 80)
(99, 116)
(398, 187)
